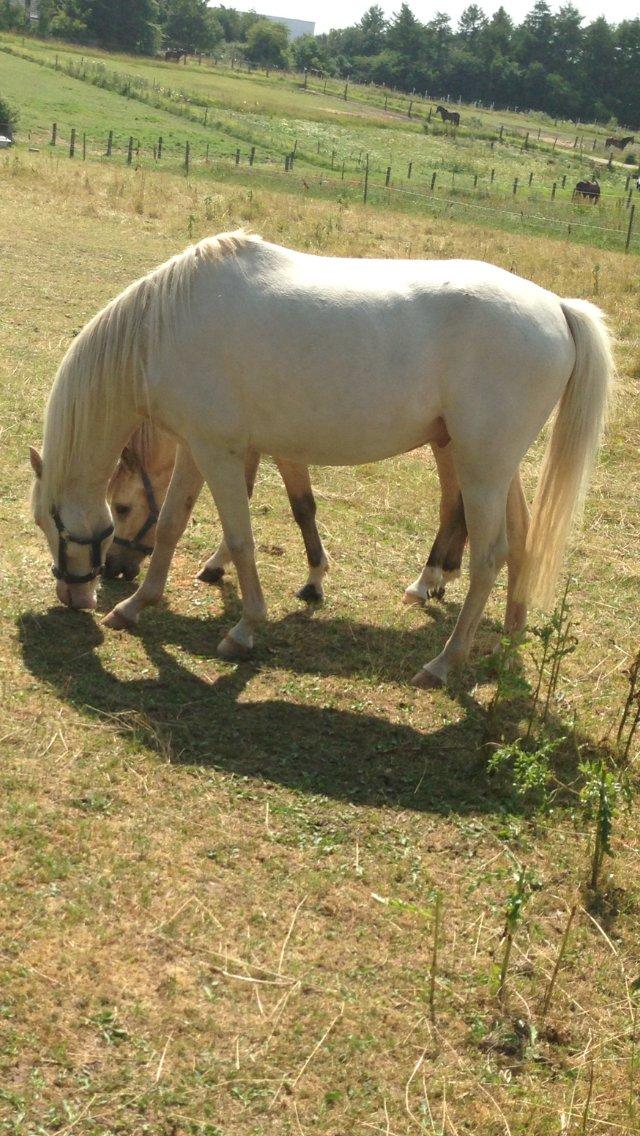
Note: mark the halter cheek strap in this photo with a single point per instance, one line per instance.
(61, 571)
(135, 542)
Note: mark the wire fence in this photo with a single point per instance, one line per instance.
(525, 202)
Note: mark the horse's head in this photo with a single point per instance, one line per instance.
(136, 495)
(78, 536)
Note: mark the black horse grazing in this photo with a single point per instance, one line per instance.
(172, 55)
(619, 143)
(448, 115)
(587, 190)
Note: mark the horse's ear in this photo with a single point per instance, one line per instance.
(36, 461)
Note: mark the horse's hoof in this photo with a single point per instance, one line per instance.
(229, 649)
(118, 622)
(436, 593)
(413, 597)
(210, 575)
(310, 594)
(426, 680)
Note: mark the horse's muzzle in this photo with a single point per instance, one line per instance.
(122, 563)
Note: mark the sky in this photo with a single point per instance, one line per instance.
(342, 13)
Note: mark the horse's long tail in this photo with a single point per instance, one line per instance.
(570, 454)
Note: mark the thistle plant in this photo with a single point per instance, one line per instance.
(557, 642)
(516, 903)
(601, 795)
(630, 717)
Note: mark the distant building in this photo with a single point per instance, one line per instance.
(296, 28)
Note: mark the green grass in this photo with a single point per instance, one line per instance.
(218, 881)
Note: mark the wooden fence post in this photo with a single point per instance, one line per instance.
(388, 177)
(252, 152)
(54, 133)
(366, 181)
(553, 190)
(72, 142)
(409, 111)
(186, 158)
(433, 180)
(475, 181)
(346, 88)
(564, 180)
(130, 151)
(515, 186)
(84, 147)
(110, 143)
(525, 144)
(159, 147)
(493, 174)
(206, 115)
(286, 163)
(501, 132)
(530, 177)
(238, 157)
(628, 240)
(409, 169)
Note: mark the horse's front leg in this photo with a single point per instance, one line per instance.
(184, 487)
(224, 473)
(303, 506)
(214, 569)
(445, 557)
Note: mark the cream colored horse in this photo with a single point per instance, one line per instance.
(238, 343)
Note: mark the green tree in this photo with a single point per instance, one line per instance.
(373, 27)
(189, 26)
(268, 44)
(129, 25)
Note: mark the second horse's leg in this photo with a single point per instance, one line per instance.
(184, 487)
(214, 569)
(303, 506)
(445, 557)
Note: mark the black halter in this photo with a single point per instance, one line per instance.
(135, 543)
(64, 538)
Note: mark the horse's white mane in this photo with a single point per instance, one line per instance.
(106, 364)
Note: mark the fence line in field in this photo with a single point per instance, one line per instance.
(185, 153)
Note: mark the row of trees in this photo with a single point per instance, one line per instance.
(548, 62)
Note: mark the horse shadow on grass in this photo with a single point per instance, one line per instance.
(349, 755)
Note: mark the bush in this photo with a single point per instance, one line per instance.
(630, 159)
(8, 113)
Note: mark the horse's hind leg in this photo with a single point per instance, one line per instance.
(214, 569)
(517, 529)
(303, 506)
(184, 487)
(445, 557)
(485, 506)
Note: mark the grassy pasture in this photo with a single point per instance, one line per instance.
(461, 175)
(218, 885)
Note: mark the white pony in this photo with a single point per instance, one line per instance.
(239, 343)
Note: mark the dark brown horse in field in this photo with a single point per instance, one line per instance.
(619, 143)
(587, 190)
(448, 115)
(172, 55)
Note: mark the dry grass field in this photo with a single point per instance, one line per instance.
(272, 898)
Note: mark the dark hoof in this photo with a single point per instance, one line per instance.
(436, 593)
(210, 575)
(310, 594)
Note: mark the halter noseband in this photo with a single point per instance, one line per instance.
(135, 543)
(60, 571)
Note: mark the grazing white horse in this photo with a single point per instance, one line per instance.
(239, 343)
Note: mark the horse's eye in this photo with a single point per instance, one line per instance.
(122, 510)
